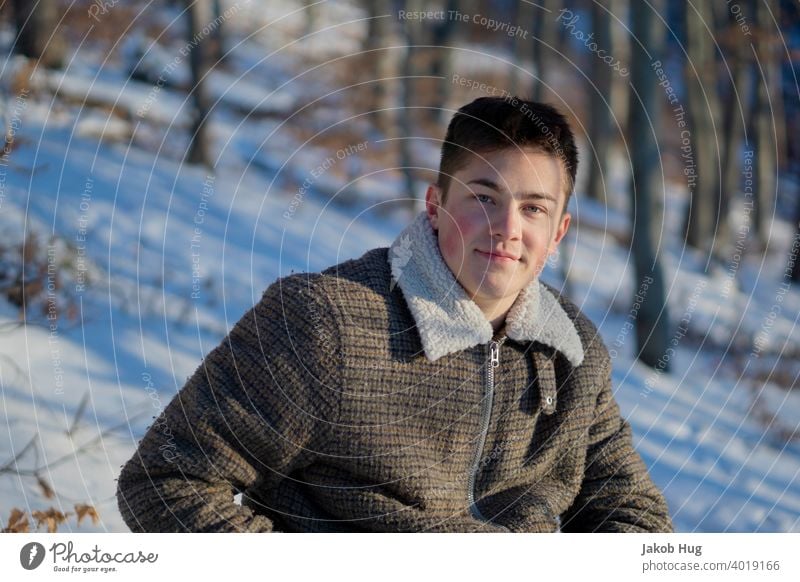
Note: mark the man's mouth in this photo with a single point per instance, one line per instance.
(498, 256)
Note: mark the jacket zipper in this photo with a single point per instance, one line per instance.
(492, 363)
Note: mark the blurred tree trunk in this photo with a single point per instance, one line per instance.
(646, 188)
(311, 12)
(774, 71)
(381, 63)
(731, 120)
(523, 15)
(599, 93)
(37, 37)
(765, 167)
(412, 35)
(216, 45)
(703, 224)
(620, 43)
(794, 255)
(443, 33)
(545, 32)
(198, 63)
(734, 111)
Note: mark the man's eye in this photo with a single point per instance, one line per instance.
(534, 209)
(483, 198)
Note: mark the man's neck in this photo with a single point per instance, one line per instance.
(496, 313)
(497, 323)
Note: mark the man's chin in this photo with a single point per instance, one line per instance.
(494, 294)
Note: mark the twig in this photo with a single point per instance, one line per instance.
(90, 443)
(78, 414)
(5, 468)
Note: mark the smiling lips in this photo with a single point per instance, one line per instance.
(498, 256)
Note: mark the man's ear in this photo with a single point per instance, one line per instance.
(561, 230)
(433, 203)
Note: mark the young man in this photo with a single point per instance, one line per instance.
(436, 385)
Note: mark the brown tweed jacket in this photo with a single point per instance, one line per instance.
(325, 409)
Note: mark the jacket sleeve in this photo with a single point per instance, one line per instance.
(617, 493)
(251, 409)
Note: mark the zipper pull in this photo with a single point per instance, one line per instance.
(494, 357)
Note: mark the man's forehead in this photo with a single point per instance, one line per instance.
(531, 162)
(512, 158)
(498, 186)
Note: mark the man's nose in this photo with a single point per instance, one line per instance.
(506, 223)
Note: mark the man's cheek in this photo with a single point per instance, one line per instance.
(451, 243)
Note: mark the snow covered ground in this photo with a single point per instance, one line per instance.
(176, 256)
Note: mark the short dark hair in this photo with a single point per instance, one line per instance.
(489, 124)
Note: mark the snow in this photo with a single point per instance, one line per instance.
(715, 440)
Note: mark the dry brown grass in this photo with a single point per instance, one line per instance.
(50, 518)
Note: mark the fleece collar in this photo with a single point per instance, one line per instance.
(449, 321)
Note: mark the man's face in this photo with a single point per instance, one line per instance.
(501, 220)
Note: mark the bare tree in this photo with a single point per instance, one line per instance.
(733, 113)
(794, 255)
(37, 36)
(442, 35)
(312, 14)
(413, 33)
(216, 44)
(763, 126)
(645, 188)
(545, 38)
(702, 157)
(381, 64)
(599, 94)
(523, 16)
(198, 62)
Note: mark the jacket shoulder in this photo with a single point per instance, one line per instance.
(370, 272)
(357, 292)
(587, 330)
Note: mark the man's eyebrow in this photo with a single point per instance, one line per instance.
(492, 185)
